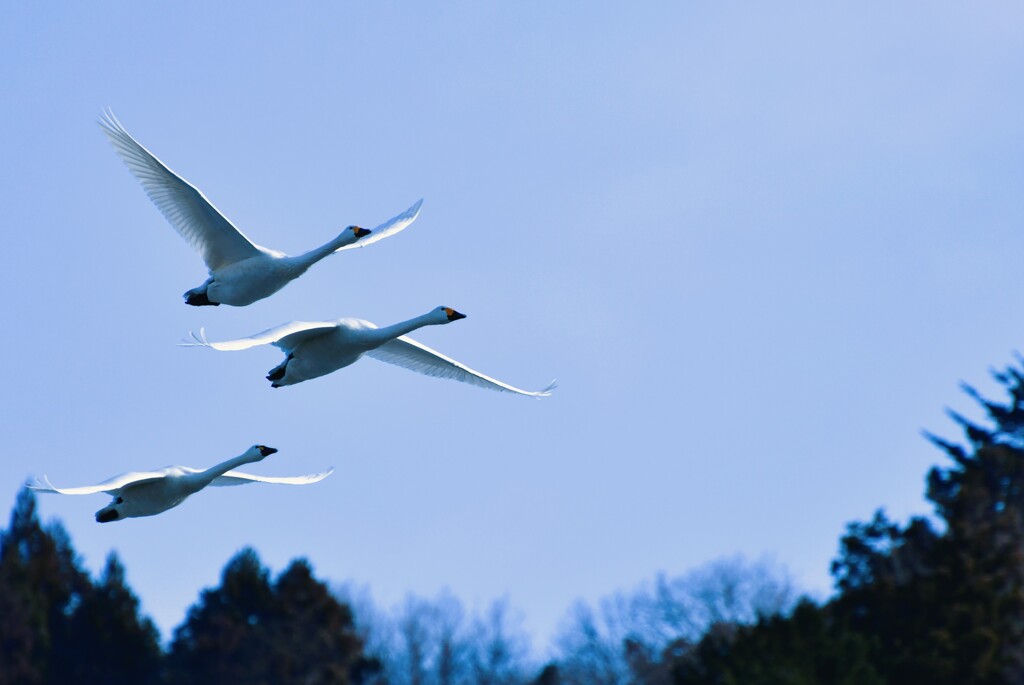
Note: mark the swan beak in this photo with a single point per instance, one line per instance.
(266, 451)
(106, 515)
(360, 231)
(453, 315)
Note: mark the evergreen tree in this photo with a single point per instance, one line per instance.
(887, 580)
(809, 647)
(316, 640)
(949, 607)
(18, 639)
(915, 604)
(221, 640)
(42, 584)
(251, 632)
(111, 643)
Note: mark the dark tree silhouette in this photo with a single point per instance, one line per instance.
(251, 632)
(112, 644)
(948, 607)
(918, 603)
(18, 638)
(315, 633)
(806, 648)
(42, 584)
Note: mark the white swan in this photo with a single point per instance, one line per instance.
(145, 493)
(241, 272)
(316, 348)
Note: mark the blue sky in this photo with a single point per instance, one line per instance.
(758, 246)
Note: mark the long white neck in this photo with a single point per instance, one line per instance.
(387, 333)
(308, 259)
(207, 476)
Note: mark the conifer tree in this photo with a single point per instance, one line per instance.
(253, 632)
(918, 603)
(111, 643)
(41, 582)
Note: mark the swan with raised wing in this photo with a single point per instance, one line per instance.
(241, 272)
(146, 493)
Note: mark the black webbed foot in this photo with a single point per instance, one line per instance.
(277, 373)
(107, 516)
(199, 300)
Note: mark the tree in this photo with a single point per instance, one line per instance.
(249, 631)
(918, 603)
(41, 584)
(435, 642)
(635, 637)
(808, 647)
(497, 647)
(18, 640)
(948, 607)
(111, 642)
(314, 632)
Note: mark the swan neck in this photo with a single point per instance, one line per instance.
(310, 258)
(220, 469)
(395, 330)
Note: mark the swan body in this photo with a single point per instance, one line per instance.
(241, 272)
(317, 348)
(146, 493)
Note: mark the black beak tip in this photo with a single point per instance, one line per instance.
(360, 231)
(457, 315)
(267, 451)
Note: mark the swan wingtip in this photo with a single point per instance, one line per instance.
(108, 121)
(546, 392)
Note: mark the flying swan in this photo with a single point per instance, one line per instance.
(316, 348)
(145, 493)
(241, 272)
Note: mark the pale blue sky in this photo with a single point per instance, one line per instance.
(758, 246)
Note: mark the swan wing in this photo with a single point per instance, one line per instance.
(388, 228)
(182, 204)
(239, 478)
(286, 336)
(415, 356)
(109, 485)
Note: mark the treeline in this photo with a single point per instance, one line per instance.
(933, 601)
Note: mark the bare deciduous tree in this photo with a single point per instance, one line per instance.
(624, 641)
(434, 642)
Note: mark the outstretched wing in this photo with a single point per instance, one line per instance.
(388, 228)
(109, 485)
(286, 336)
(182, 204)
(239, 478)
(415, 356)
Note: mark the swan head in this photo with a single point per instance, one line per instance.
(359, 231)
(261, 451)
(350, 236)
(447, 315)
